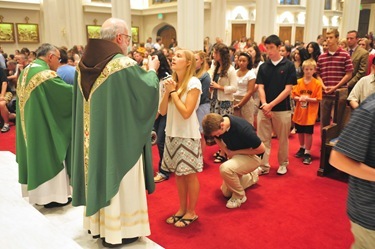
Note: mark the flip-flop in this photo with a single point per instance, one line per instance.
(220, 159)
(173, 219)
(217, 153)
(186, 222)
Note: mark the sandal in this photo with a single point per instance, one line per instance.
(159, 178)
(173, 219)
(220, 159)
(217, 153)
(186, 222)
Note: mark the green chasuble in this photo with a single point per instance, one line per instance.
(44, 116)
(113, 116)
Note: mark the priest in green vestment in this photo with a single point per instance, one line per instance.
(44, 127)
(114, 107)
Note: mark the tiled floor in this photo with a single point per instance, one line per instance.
(25, 226)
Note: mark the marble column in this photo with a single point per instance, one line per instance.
(218, 21)
(190, 28)
(313, 20)
(265, 22)
(62, 23)
(350, 17)
(121, 9)
(371, 23)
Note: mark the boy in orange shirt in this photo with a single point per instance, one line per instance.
(307, 94)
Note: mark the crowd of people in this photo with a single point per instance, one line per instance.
(239, 96)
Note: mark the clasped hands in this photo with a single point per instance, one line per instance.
(303, 98)
(267, 110)
(329, 89)
(170, 85)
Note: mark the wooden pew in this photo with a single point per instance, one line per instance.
(330, 133)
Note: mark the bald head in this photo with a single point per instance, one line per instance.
(116, 31)
(112, 27)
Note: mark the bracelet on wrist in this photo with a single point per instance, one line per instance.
(172, 92)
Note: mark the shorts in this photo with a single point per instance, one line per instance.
(306, 129)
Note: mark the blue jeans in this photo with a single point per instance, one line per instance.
(159, 127)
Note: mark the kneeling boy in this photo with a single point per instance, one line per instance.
(239, 141)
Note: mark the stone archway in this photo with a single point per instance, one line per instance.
(167, 32)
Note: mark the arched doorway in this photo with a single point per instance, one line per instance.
(167, 32)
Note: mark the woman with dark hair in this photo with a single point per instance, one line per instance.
(243, 101)
(314, 50)
(256, 56)
(285, 51)
(224, 81)
(223, 86)
(164, 71)
(300, 54)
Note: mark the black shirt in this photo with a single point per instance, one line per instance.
(241, 135)
(3, 78)
(275, 78)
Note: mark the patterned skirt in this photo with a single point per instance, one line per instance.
(182, 156)
(221, 107)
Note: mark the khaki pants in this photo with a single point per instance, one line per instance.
(363, 238)
(237, 174)
(246, 111)
(280, 123)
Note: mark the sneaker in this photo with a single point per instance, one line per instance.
(235, 203)
(300, 153)
(263, 171)
(5, 128)
(254, 177)
(282, 170)
(307, 159)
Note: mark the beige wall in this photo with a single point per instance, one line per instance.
(18, 16)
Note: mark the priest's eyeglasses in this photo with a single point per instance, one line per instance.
(129, 37)
(58, 58)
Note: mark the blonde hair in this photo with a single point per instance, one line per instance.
(344, 42)
(309, 62)
(190, 72)
(333, 31)
(202, 55)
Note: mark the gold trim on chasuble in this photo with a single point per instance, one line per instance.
(113, 66)
(24, 92)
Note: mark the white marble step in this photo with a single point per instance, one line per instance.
(26, 226)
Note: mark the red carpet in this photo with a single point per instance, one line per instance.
(297, 210)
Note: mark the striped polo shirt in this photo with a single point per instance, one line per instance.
(357, 141)
(333, 67)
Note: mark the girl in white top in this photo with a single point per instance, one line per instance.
(244, 103)
(182, 153)
(224, 81)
